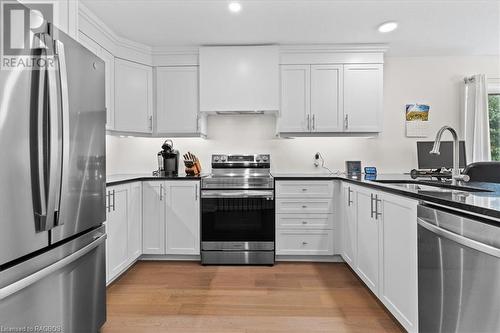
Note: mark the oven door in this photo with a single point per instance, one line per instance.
(236, 218)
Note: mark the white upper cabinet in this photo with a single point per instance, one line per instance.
(89, 43)
(239, 78)
(295, 98)
(133, 97)
(183, 217)
(326, 98)
(363, 95)
(109, 62)
(311, 99)
(177, 100)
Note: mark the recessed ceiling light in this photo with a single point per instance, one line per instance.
(234, 7)
(388, 26)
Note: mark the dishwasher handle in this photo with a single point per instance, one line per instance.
(473, 244)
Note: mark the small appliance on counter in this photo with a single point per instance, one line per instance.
(192, 164)
(168, 160)
(353, 169)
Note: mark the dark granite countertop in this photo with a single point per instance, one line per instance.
(127, 178)
(481, 203)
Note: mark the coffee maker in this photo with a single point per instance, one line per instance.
(168, 160)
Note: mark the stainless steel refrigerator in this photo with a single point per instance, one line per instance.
(52, 190)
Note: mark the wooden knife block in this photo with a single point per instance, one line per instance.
(195, 170)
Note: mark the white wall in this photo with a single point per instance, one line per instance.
(433, 80)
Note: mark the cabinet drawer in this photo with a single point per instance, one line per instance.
(304, 221)
(301, 206)
(312, 242)
(304, 189)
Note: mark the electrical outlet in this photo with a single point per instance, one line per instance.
(317, 156)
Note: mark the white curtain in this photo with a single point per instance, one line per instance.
(475, 121)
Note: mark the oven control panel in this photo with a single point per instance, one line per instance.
(241, 159)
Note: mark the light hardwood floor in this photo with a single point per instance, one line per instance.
(289, 297)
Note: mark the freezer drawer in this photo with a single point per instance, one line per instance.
(63, 289)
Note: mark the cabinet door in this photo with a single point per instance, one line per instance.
(135, 221)
(183, 217)
(116, 224)
(89, 43)
(398, 287)
(363, 94)
(326, 98)
(295, 98)
(153, 217)
(349, 225)
(367, 240)
(109, 61)
(133, 97)
(177, 100)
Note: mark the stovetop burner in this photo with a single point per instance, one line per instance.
(239, 172)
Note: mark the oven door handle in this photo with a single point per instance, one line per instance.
(237, 194)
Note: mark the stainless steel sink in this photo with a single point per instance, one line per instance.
(416, 185)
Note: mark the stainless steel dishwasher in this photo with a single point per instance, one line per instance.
(458, 272)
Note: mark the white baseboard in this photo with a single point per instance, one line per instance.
(334, 258)
(171, 257)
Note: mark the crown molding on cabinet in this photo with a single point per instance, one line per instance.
(120, 47)
(290, 54)
(175, 56)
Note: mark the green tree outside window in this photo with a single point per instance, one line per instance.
(494, 111)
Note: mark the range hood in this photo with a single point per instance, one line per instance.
(239, 79)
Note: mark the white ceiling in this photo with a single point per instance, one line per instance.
(437, 27)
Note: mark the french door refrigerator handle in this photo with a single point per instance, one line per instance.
(473, 244)
(63, 79)
(37, 276)
(40, 146)
(55, 144)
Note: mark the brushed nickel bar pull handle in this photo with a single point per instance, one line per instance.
(308, 122)
(371, 205)
(63, 79)
(314, 122)
(114, 201)
(161, 192)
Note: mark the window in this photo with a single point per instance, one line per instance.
(494, 111)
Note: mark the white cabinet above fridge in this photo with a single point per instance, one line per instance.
(242, 79)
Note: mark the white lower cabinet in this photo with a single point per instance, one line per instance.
(134, 228)
(399, 285)
(304, 218)
(153, 217)
(183, 217)
(379, 241)
(171, 217)
(123, 227)
(368, 239)
(304, 242)
(349, 225)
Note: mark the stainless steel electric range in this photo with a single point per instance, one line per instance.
(238, 214)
